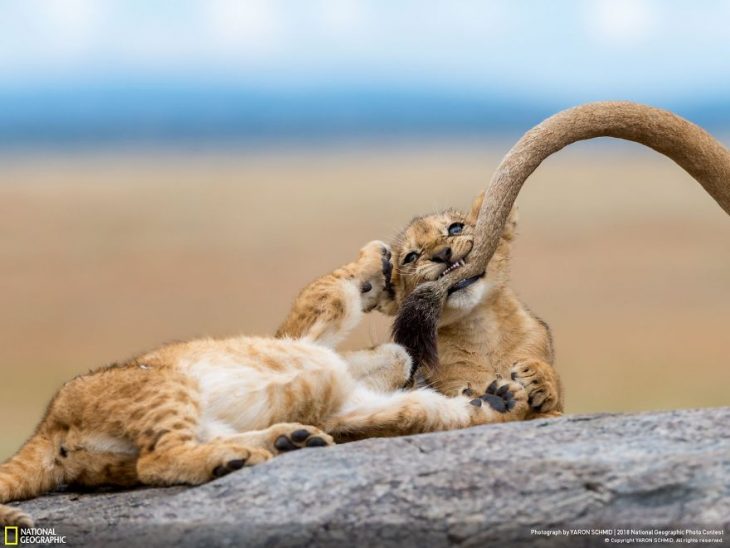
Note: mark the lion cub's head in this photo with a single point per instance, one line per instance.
(433, 245)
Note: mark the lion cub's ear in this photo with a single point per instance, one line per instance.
(510, 227)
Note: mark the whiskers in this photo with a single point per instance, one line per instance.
(421, 382)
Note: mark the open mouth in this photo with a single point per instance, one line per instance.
(465, 283)
(462, 284)
(457, 264)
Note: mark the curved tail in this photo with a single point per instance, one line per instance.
(691, 147)
(30, 473)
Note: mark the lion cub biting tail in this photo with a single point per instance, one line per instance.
(190, 412)
(484, 332)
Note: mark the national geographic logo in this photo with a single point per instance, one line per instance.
(11, 536)
(14, 536)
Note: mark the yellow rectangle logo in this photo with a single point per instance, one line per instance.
(8, 540)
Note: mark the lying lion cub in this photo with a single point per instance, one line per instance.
(190, 412)
(484, 332)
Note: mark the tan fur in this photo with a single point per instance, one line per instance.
(484, 332)
(189, 412)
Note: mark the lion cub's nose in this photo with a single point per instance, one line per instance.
(443, 255)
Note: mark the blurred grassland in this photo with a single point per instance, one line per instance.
(107, 255)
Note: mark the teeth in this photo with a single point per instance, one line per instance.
(457, 264)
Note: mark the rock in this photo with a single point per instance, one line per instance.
(502, 485)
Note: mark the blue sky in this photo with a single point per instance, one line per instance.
(641, 48)
(557, 52)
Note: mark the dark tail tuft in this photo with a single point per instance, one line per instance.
(415, 325)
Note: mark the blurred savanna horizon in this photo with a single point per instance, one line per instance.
(171, 171)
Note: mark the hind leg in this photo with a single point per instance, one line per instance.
(167, 439)
(178, 461)
(14, 517)
(371, 414)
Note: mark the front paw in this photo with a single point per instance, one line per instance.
(374, 275)
(541, 383)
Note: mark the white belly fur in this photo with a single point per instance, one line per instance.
(235, 393)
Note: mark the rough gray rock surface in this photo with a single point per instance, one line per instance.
(484, 486)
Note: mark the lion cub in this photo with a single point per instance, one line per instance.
(484, 332)
(191, 412)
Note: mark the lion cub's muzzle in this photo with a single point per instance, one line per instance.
(452, 256)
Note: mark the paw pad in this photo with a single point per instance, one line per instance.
(537, 399)
(316, 442)
(499, 398)
(283, 443)
(298, 439)
(300, 435)
(231, 466)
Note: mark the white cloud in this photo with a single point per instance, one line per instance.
(596, 46)
(59, 30)
(341, 16)
(67, 17)
(620, 23)
(243, 28)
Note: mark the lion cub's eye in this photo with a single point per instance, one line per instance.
(412, 256)
(455, 228)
